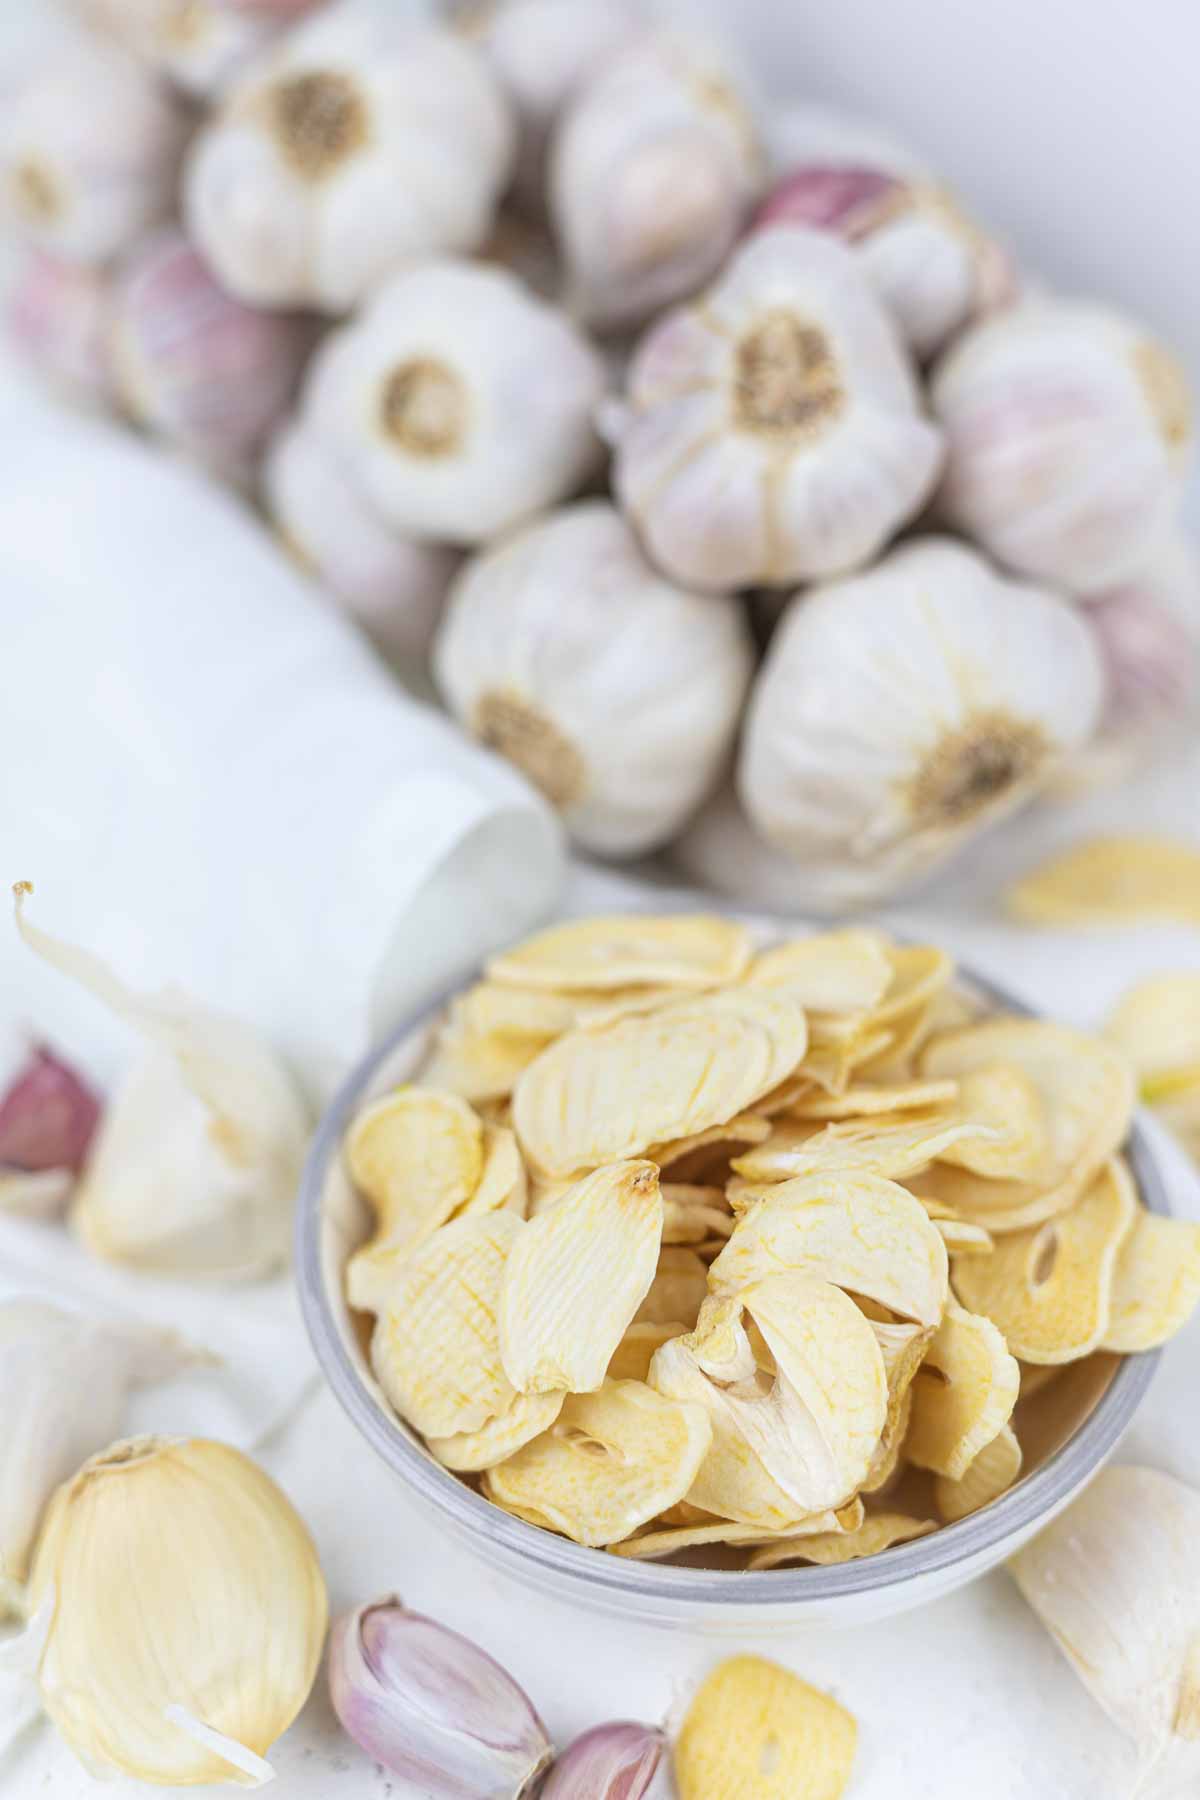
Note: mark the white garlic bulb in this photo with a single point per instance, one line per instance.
(1067, 432)
(89, 153)
(652, 170)
(391, 584)
(457, 402)
(721, 850)
(615, 692)
(200, 44)
(902, 710)
(773, 431)
(56, 314)
(364, 142)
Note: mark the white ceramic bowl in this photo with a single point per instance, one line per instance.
(1095, 1401)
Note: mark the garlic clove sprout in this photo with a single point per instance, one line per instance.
(899, 712)
(56, 315)
(366, 141)
(609, 1762)
(89, 153)
(773, 431)
(393, 585)
(432, 1707)
(652, 169)
(458, 403)
(615, 692)
(64, 1379)
(195, 1167)
(1067, 431)
(1116, 1582)
(178, 1668)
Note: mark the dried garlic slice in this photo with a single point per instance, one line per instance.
(478, 1066)
(833, 972)
(436, 1345)
(891, 1149)
(862, 1232)
(653, 1542)
(1113, 881)
(988, 1475)
(678, 1291)
(610, 1462)
(963, 1394)
(631, 1359)
(576, 1275)
(1013, 1144)
(878, 1532)
(746, 1128)
(755, 1731)
(920, 973)
(1157, 1026)
(628, 950)
(502, 1181)
(494, 1008)
(1156, 1283)
(868, 1099)
(1050, 1290)
(964, 1239)
(470, 1451)
(830, 1064)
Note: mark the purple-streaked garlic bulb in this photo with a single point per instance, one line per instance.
(1068, 431)
(195, 366)
(48, 1118)
(56, 315)
(610, 1762)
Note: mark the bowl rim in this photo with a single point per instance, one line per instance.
(1032, 1498)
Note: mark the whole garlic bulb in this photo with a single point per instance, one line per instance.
(900, 711)
(89, 153)
(615, 692)
(653, 168)
(391, 584)
(56, 314)
(457, 402)
(200, 45)
(722, 850)
(206, 372)
(1067, 432)
(773, 431)
(364, 142)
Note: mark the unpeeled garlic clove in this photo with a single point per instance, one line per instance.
(610, 1762)
(48, 1117)
(1079, 407)
(56, 314)
(432, 1707)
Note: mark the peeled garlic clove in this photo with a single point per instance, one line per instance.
(1081, 409)
(183, 1668)
(773, 430)
(89, 153)
(615, 692)
(365, 141)
(899, 712)
(610, 1762)
(652, 170)
(56, 315)
(433, 1707)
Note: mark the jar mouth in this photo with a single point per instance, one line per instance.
(974, 767)
(787, 384)
(319, 120)
(423, 408)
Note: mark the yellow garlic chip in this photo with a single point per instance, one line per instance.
(692, 1215)
(757, 1732)
(989, 1475)
(867, 1099)
(894, 1150)
(542, 1195)
(963, 1394)
(416, 1155)
(964, 1239)
(862, 1232)
(747, 1128)
(1157, 1025)
(653, 1542)
(1156, 1284)
(627, 950)
(678, 1290)
(902, 1348)
(631, 1359)
(1113, 881)
(920, 973)
(600, 1096)
(1050, 1290)
(479, 1066)
(833, 972)
(831, 1065)
(502, 1182)
(576, 1275)
(494, 1008)
(436, 1346)
(889, 1455)
(598, 1009)
(470, 1451)
(879, 1532)
(610, 1462)
(1014, 1143)
(782, 1098)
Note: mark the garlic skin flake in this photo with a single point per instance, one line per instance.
(652, 170)
(457, 402)
(1068, 431)
(1115, 1581)
(56, 316)
(366, 141)
(900, 712)
(89, 154)
(184, 1668)
(433, 1707)
(773, 430)
(616, 692)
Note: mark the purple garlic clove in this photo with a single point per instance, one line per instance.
(610, 1762)
(47, 1116)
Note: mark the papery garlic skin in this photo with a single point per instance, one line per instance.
(652, 170)
(64, 1380)
(367, 141)
(89, 154)
(457, 402)
(773, 431)
(432, 1707)
(610, 1762)
(178, 1668)
(392, 585)
(899, 712)
(1068, 430)
(194, 365)
(614, 691)
(56, 315)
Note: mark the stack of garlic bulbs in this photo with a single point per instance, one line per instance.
(560, 359)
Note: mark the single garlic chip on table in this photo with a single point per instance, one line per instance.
(1113, 881)
(754, 1728)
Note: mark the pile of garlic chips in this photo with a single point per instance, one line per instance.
(688, 1247)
